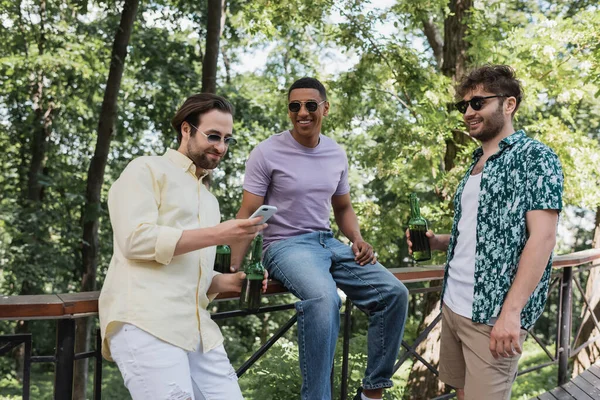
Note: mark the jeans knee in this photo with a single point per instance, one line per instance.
(398, 294)
(326, 306)
(330, 304)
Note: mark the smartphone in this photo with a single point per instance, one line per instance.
(264, 211)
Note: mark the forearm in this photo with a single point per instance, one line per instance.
(348, 223)
(532, 264)
(195, 239)
(250, 202)
(443, 241)
(243, 213)
(238, 252)
(223, 283)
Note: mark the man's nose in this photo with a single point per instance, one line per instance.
(469, 111)
(303, 110)
(221, 146)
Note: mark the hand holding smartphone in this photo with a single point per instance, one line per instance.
(264, 211)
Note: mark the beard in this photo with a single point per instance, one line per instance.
(200, 158)
(491, 126)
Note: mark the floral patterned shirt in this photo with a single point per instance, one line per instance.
(523, 175)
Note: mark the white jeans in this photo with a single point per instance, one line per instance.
(154, 369)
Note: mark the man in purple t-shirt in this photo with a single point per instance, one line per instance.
(304, 174)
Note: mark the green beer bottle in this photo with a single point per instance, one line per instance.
(252, 286)
(223, 259)
(417, 227)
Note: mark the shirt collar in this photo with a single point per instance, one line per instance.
(504, 143)
(182, 161)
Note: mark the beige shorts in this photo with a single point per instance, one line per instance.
(466, 361)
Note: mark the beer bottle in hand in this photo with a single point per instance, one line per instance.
(252, 285)
(223, 259)
(417, 227)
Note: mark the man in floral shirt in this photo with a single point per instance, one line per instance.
(500, 248)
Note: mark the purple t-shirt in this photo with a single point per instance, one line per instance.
(299, 181)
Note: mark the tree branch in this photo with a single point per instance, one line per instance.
(434, 38)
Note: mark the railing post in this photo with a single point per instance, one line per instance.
(564, 350)
(65, 354)
(346, 348)
(27, 368)
(98, 369)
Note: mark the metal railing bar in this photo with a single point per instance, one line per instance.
(87, 354)
(15, 337)
(65, 352)
(43, 359)
(565, 327)
(263, 349)
(416, 343)
(542, 345)
(554, 283)
(98, 367)
(5, 348)
(583, 345)
(346, 348)
(238, 313)
(580, 328)
(445, 396)
(27, 368)
(537, 367)
(425, 290)
(12, 341)
(423, 361)
(587, 304)
(557, 348)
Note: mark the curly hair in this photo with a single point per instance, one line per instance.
(497, 79)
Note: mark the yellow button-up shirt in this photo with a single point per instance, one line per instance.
(154, 200)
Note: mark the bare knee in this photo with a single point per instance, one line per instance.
(460, 394)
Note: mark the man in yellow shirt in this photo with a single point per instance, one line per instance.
(153, 316)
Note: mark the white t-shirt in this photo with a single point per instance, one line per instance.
(461, 272)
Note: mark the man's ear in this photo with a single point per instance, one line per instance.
(186, 129)
(326, 110)
(510, 105)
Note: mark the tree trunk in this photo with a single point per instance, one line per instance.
(214, 28)
(455, 46)
(227, 63)
(454, 64)
(434, 38)
(422, 383)
(95, 179)
(591, 354)
(34, 191)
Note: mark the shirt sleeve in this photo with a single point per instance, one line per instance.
(133, 202)
(343, 185)
(258, 176)
(544, 180)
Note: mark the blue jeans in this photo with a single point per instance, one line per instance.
(310, 266)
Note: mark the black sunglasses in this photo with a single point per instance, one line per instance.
(311, 105)
(476, 103)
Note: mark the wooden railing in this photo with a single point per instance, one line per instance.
(65, 308)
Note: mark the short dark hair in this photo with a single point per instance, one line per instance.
(194, 106)
(497, 79)
(308, 83)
